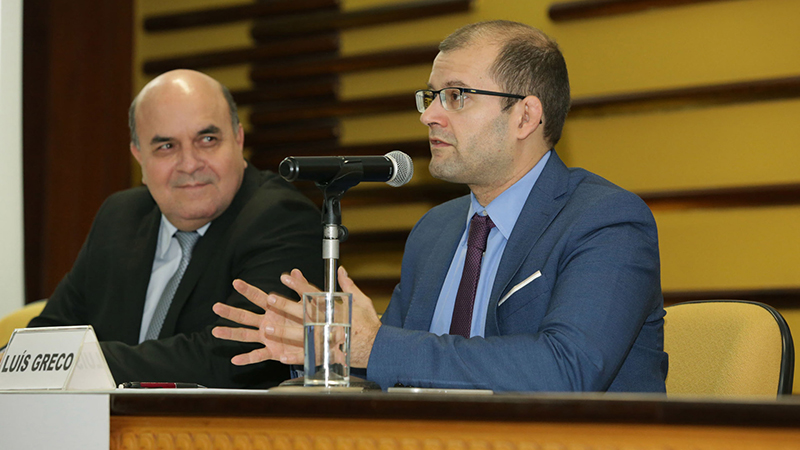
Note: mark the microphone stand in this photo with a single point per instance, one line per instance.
(334, 232)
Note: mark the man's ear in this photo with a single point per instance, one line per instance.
(240, 142)
(240, 137)
(136, 153)
(530, 118)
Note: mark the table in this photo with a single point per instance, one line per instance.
(270, 420)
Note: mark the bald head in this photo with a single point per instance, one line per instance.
(189, 143)
(185, 82)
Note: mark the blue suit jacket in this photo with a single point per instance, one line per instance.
(593, 320)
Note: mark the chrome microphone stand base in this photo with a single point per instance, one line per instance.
(356, 385)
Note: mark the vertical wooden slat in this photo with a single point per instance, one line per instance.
(35, 97)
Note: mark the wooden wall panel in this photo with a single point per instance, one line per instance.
(691, 45)
(735, 145)
(744, 248)
(234, 13)
(77, 88)
(583, 9)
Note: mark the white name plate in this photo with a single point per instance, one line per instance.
(55, 358)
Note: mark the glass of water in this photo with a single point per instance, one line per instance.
(326, 319)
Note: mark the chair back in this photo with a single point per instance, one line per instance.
(728, 348)
(19, 319)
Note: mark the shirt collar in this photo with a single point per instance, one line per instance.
(167, 230)
(505, 209)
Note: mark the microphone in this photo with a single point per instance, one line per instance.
(395, 168)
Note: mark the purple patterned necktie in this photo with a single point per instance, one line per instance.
(479, 228)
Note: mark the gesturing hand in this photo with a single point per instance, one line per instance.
(280, 328)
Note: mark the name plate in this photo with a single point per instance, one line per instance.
(55, 358)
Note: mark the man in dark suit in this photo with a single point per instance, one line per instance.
(544, 278)
(158, 257)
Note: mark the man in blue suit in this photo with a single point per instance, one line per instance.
(562, 295)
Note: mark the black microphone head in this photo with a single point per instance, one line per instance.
(403, 168)
(311, 168)
(288, 169)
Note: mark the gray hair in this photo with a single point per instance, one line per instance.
(232, 109)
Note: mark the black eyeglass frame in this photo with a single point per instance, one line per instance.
(420, 96)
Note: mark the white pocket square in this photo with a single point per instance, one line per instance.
(519, 286)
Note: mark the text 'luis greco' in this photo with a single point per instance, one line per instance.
(43, 362)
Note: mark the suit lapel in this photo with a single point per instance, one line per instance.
(137, 276)
(434, 271)
(542, 206)
(205, 248)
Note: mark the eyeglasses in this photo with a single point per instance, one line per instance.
(452, 98)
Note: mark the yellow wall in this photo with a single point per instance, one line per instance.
(186, 41)
(704, 147)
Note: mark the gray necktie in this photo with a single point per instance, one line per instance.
(186, 239)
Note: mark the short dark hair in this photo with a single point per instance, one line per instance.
(529, 63)
(225, 93)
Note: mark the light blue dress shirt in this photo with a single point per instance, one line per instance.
(504, 211)
(165, 263)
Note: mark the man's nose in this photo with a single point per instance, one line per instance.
(191, 160)
(434, 114)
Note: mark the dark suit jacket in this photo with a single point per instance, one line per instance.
(268, 229)
(591, 322)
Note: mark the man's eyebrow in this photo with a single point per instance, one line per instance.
(159, 139)
(453, 83)
(211, 129)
